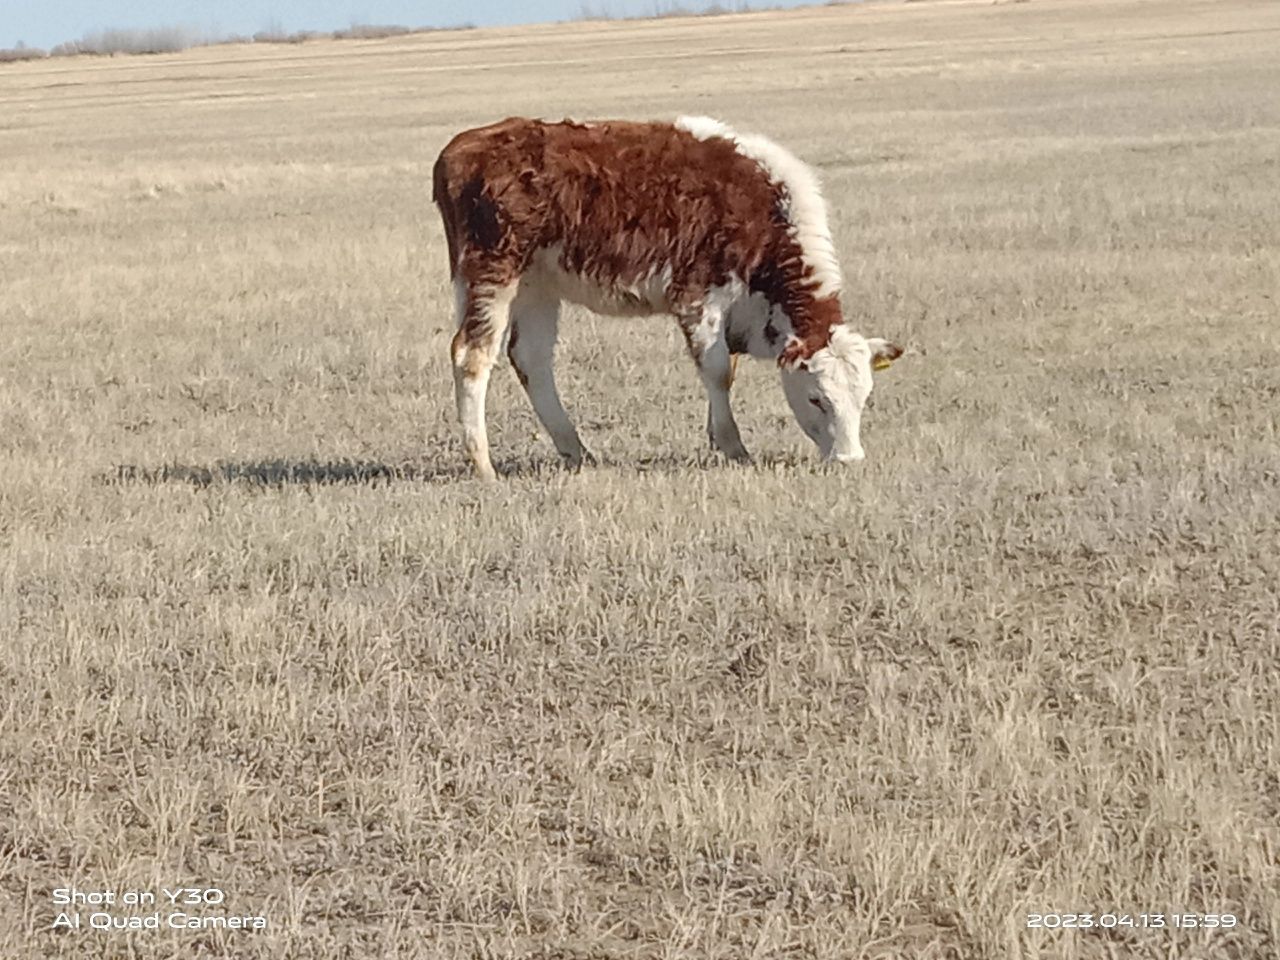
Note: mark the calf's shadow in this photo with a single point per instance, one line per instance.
(285, 472)
(313, 472)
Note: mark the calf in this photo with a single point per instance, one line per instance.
(727, 232)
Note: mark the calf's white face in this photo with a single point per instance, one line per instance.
(828, 391)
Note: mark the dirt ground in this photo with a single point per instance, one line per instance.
(262, 633)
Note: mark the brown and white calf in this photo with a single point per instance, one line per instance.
(725, 231)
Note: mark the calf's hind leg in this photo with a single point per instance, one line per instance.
(531, 347)
(483, 314)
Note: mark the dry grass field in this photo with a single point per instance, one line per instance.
(262, 632)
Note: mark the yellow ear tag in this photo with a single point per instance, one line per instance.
(881, 363)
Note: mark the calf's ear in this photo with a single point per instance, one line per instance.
(792, 356)
(883, 353)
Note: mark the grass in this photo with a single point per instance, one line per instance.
(263, 633)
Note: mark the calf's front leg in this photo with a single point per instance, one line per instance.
(733, 373)
(705, 336)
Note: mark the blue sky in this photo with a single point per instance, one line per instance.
(43, 23)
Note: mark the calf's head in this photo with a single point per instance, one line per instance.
(828, 390)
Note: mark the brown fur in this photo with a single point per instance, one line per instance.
(624, 200)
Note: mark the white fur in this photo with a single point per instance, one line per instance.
(747, 320)
(648, 295)
(535, 318)
(807, 211)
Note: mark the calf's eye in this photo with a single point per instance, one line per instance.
(818, 403)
